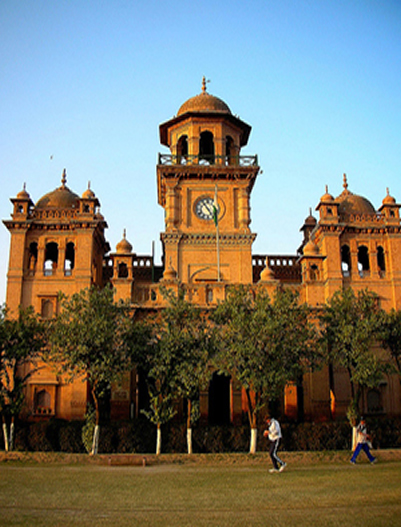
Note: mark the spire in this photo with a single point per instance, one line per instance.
(64, 178)
(345, 183)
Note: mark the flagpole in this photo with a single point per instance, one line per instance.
(216, 221)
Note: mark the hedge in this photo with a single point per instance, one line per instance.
(139, 436)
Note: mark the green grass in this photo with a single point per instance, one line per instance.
(205, 491)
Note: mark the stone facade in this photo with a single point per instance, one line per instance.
(59, 245)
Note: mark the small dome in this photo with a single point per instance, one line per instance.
(88, 194)
(204, 103)
(326, 197)
(311, 249)
(267, 274)
(124, 246)
(310, 221)
(350, 203)
(388, 200)
(60, 198)
(23, 194)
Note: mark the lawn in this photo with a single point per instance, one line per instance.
(221, 491)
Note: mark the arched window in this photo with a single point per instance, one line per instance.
(182, 150)
(51, 258)
(363, 260)
(69, 259)
(122, 270)
(42, 402)
(206, 148)
(345, 260)
(314, 272)
(33, 257)
(374, 401)
(381, 263)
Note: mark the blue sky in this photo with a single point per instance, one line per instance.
(85, 85)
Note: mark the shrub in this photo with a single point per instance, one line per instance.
(70, 437)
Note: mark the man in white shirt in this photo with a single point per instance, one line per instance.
(273, 432)
(362, 440)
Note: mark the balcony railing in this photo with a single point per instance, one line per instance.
(207, 160)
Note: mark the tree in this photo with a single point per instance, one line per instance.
(264, 344)
(176, 362)
(191, 335)
(390, 336)
(350, 328)
(21, 341)
(93, 337)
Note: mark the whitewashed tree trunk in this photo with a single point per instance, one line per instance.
(95, 443)
(254, 439)
(5, 435)
(12, 436)
(158, 441)
(353, 438)
(189, 440)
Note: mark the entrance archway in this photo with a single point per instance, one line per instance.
(220, 400)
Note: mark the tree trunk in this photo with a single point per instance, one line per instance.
(12, 434)
(252, 422)
(158, 440)
(189, 429)
(254, 438)
(353, 438)
(5, 435)
(96, 431)
(189, 440)
(95, 443)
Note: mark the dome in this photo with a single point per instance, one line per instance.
(23, 194)
(88, 194)
(267, 274)
(204, 103)
(60, 198)
(124, 246)
(310, 221)
(326, 197)
(350, 203)
(388, 200)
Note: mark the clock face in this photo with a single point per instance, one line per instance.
(204, 208)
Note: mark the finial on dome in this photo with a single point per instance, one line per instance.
(89, 185)
(204, 82)
(345, 184)
(387, 190)
(24, 187)
(124, 234)
(64, 178)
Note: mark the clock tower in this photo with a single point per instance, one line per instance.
(204, 186)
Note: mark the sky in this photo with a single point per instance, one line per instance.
(85, 85)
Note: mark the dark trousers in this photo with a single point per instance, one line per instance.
(273, 454)
(365, 448)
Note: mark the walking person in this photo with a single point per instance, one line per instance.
(362, 442)
(273, 432)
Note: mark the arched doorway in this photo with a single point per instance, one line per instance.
(220, 400)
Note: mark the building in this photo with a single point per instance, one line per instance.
(59, 244)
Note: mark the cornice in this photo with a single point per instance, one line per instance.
(208, 238)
